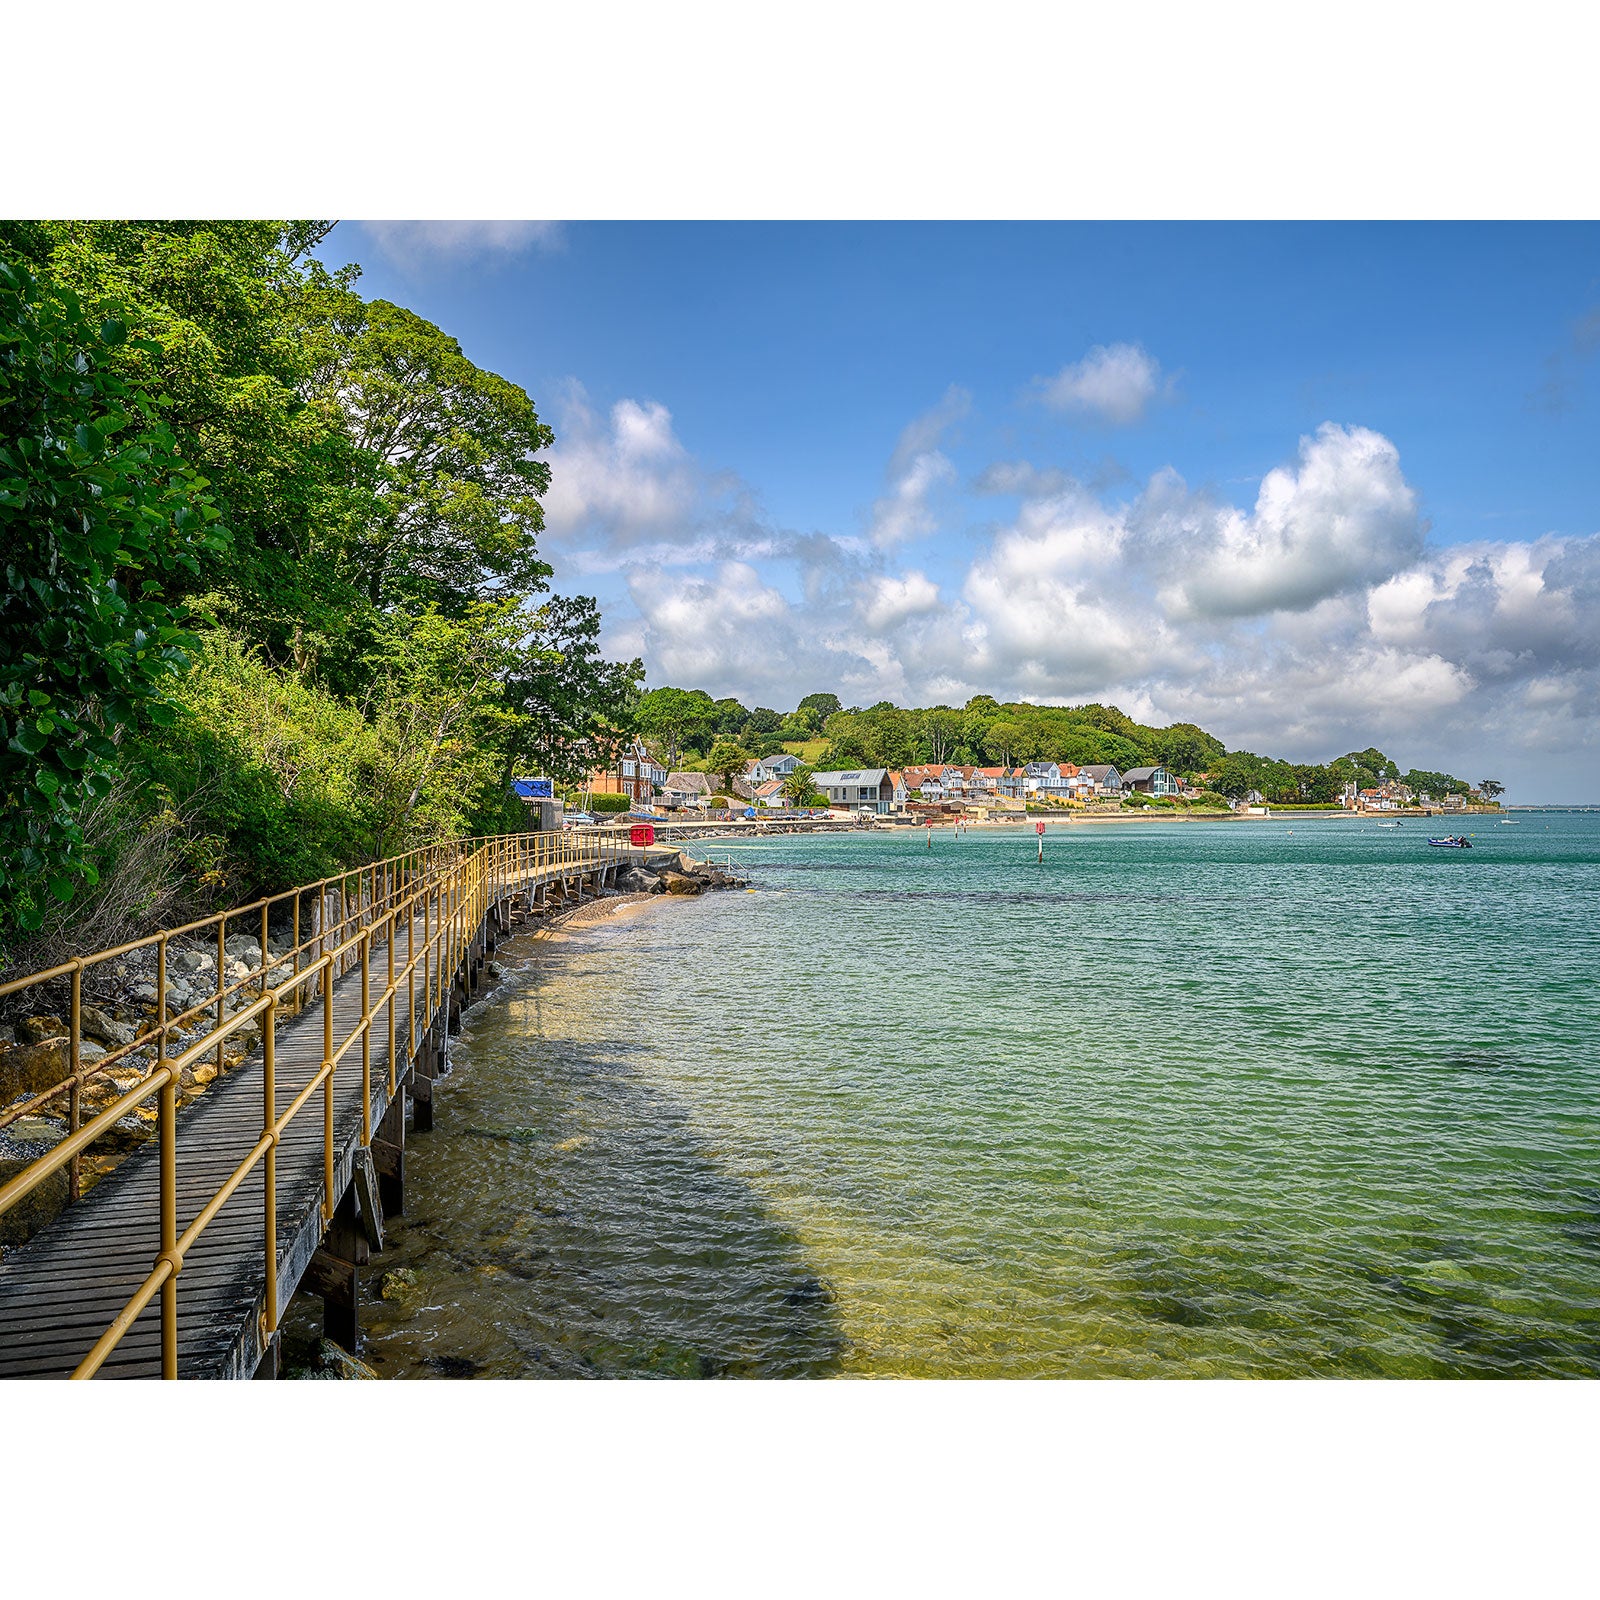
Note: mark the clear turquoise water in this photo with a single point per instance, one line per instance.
(1200, 1099)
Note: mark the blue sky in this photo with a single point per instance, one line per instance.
(1309, 485)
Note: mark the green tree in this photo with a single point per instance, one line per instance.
(455, 512)
(99, 514)
(1491, 789)
(574, 709)
(939, 731)
(681, 719)
(231, 324)
(731, 716)
(1003, 739)
(727, 761)
(817, 708)
(440, 721)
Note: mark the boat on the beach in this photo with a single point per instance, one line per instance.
(1453, 842)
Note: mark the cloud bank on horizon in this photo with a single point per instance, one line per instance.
(1310, 616)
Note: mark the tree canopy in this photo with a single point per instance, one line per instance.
(364, 656)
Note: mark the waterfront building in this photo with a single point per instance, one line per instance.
(863, 789)
(687, 790)
(1106, 779)
(1153, 781)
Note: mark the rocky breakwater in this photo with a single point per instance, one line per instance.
(119, 1033)
(674, 872)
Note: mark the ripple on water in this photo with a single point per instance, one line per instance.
(1189, 1100)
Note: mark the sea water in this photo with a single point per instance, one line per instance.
(1267, 1098)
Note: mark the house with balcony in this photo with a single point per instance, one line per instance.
(1042, 780)
(867, 789)
(1005, 783)
(926, 783)
(1105, 779)
(1153, 781)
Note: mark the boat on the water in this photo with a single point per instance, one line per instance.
(1394, 824)
(1453, 842)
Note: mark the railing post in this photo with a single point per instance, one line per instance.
(75, 1094)
(169, 1225)
(269, 1126)
(263, 948)
(327, 1090)
(393, 932)
(366, 1039)
(222, 978)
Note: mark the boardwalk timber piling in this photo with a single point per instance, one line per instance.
(280, 1176)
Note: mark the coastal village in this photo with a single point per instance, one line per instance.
(944, 791)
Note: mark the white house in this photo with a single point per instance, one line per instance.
(769, 768)
(1107, 780)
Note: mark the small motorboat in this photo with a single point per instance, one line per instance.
(1388, 824)
(1453, 842)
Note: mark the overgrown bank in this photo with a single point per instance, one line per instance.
(274, 599)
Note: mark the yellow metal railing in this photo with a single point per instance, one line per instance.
(449, 888)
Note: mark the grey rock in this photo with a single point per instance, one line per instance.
(101, 1025)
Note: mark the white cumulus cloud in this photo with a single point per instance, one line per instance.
(1343, 517)
(1115, 382)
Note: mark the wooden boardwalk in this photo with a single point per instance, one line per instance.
(62, 1290)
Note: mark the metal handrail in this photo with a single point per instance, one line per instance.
(453, 895)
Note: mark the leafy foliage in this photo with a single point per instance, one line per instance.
(574, 708)
(379, 656)
(727, 761)
(97, 515)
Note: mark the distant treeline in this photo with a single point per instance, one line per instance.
(274, 602)
(688, 723)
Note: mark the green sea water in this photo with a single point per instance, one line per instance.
(1287, 1098)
